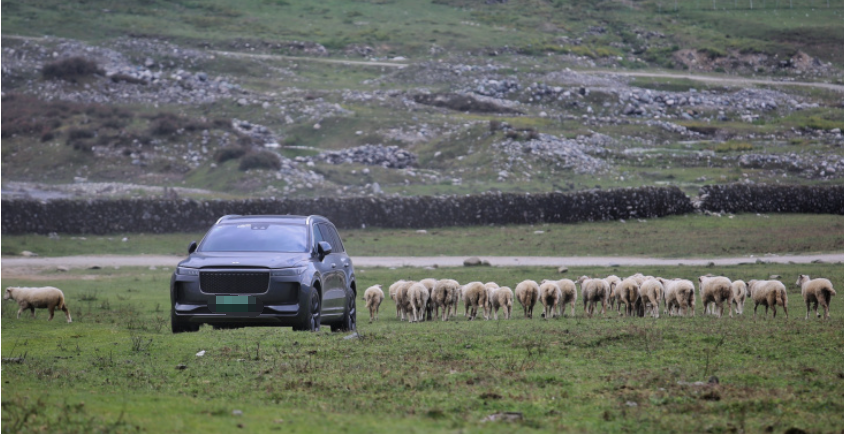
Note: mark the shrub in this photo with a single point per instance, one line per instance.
(229, 153)
(70, 69)
(126, 78)
(265, 160)
(733, 146)
(77, 133)
(165, 124)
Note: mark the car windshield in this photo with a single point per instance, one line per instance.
(256, 237)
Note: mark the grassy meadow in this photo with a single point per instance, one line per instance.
(703, 236)
(117, 367)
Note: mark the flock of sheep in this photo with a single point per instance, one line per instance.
(640, 295)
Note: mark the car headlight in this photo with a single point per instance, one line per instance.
(288, 271)
(182, 271)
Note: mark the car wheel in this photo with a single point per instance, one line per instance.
(311, 322)
(180, 327)
(349, 323)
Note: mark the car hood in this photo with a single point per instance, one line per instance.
(244, 259)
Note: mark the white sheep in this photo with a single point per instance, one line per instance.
(503, 298)
(429, 283)
(769, 293)
(628, 290)
(739, 290)
(568, 294)
(491, 287)
(593, 291)
(527, 292)
(394, 292)
(816, 291)
(614, 298)
(651, 293)
(38, 297)
(373, 296)
(403, 298)
(444, 296)
(715, 290)
(417, 295)
(474, 297)
(679, 296)
(549, 296)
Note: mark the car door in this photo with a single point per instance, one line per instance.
(333, 294)
(344, 264)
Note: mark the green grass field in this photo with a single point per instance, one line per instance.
(703, 236)
(117, 367)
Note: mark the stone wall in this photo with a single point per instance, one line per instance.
(185, 215)
(773, 198)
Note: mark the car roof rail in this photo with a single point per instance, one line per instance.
(226, 217)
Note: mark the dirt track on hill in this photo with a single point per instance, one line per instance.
(16, 267)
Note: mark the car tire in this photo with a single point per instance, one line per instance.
(311, 322)
(177, 326)
(349, 323)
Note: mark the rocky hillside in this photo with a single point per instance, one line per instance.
(220, 115)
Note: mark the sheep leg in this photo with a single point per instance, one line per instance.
(66, 313)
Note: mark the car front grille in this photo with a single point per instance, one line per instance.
(234, 282)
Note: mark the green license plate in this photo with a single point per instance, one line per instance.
(236, 303)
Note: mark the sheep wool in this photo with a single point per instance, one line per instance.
(418, 301)
(651, 293)
(549, 296)
(716, 290)
(373, 296)
(474, 297)
(444, 296)
(503, 298)
(739, 294)
(45, 297)
(768, 293)
(816, 291)
(527, 292)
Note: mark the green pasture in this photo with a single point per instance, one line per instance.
(702, 236)
(117, 367)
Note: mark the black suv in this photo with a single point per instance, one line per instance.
(265, 271)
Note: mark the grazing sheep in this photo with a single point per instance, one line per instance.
(373, 296)
(527, 292)
(403, 299)
(549, 296)
(418, 301)
(474, 297)
(593, 291)
(739, 290)
(614, 297)
(394, 291)
(503, 298)
(679, 296)
(491, 287)
(568, 294)
(651, 293)
(444, 296)
(429, 283)
(629, 292)
(38, 297)
(716, 290)
(768, 293)
(817, 291)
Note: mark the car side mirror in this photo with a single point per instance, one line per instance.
(323, 249)
(192, 247)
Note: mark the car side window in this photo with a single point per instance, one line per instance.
(337, 244)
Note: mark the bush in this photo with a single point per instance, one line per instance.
(229, 153)
(126, 78)
(166, 124)
(262, 160)
(70, 69)
(77, 134)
